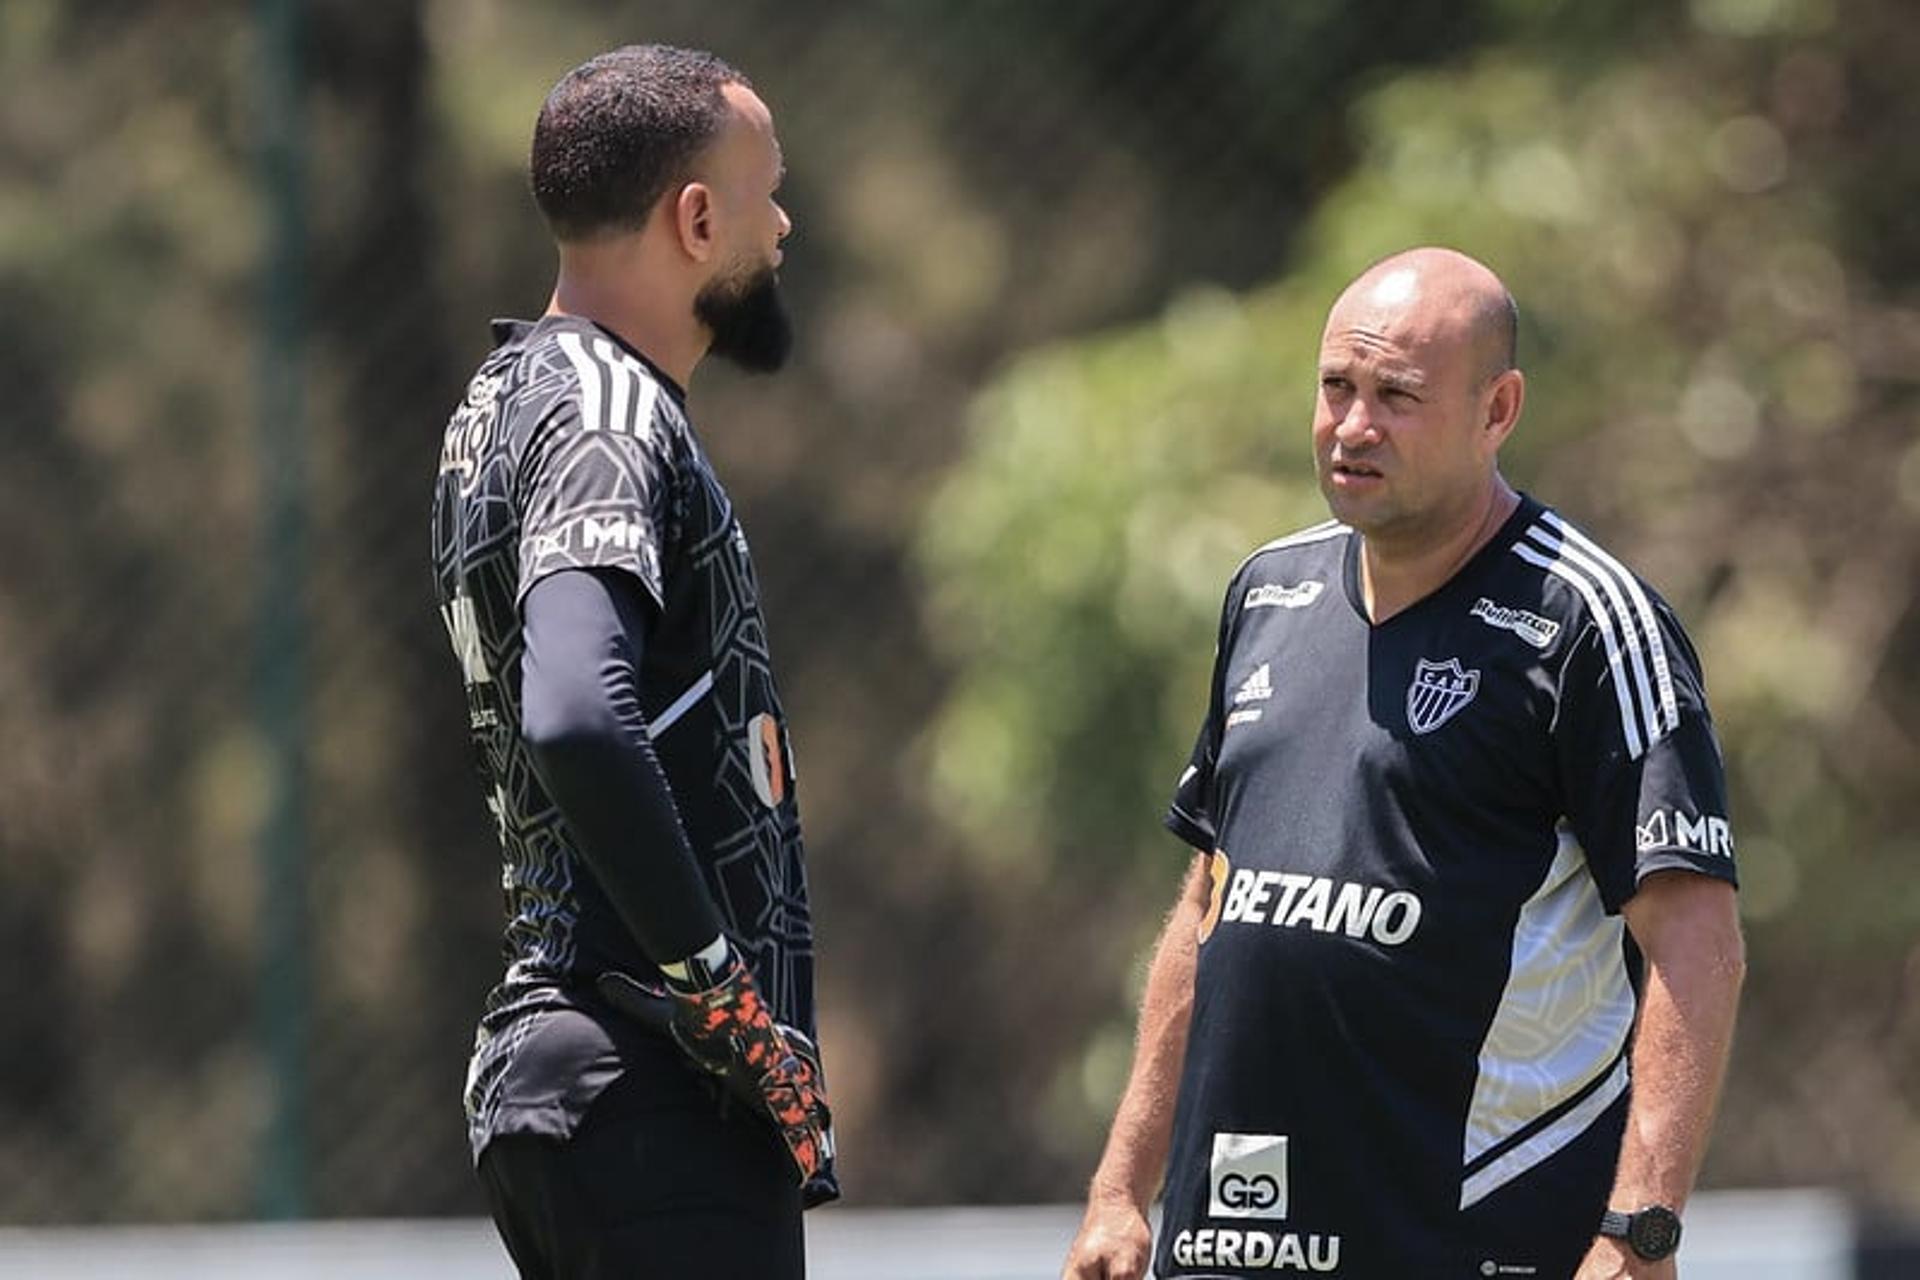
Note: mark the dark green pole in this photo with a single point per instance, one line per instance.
(280, 668)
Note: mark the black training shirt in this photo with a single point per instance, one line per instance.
(1413, 986)
(570, 451)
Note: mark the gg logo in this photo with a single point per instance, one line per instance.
(1262, 1191)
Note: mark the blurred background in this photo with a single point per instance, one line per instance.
(1059, 272)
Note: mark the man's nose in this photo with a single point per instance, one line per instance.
(1356, 425)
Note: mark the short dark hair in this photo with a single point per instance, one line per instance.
(618, 130)
(1505, 326)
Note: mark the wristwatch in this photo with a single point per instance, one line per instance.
(1653, 1232)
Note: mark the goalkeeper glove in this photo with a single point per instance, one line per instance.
(716, 1016)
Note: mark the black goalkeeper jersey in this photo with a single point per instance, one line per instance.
(1413, 988)
(571, 451)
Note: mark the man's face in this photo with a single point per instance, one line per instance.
(741, 304)
(1396, 439)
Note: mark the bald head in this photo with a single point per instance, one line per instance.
(1436, 295)
(1418, 391)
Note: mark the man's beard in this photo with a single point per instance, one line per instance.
(747, 317)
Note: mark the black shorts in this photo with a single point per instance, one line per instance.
(662, 1179)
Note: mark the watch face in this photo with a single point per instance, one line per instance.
(1654, 1233)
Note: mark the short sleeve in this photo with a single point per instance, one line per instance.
(1641, 770)
(594, 499)
(1191, 815)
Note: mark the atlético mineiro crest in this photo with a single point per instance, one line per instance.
(1439, 692)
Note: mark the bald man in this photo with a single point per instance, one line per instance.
(1450, 987)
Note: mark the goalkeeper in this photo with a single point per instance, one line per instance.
(644, 1097)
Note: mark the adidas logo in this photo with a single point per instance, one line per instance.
(1257, 687)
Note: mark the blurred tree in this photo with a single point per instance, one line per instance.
(1711, 358)
(126, 242)
(403, 907)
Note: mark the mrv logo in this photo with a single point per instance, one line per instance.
(613, 531)
(1289, 900)
(1672, 829)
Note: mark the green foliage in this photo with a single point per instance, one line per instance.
(1079, 558)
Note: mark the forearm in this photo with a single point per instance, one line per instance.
(1695, 967)
(583, 725)
(1136, 1152)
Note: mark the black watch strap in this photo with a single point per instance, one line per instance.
(1652, 1233)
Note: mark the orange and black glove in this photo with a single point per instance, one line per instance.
(719, 1021)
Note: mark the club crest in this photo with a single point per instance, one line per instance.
(1439, 692)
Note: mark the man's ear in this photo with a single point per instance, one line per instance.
(1508, 394)
(692, 214)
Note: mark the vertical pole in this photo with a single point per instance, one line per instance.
(281, 1187)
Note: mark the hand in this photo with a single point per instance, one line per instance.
(822, 1186)
(724, 1027)
(1113, 1244)
(1610, 1259)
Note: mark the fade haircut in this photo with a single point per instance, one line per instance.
(1500, 324)
(617, 131)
